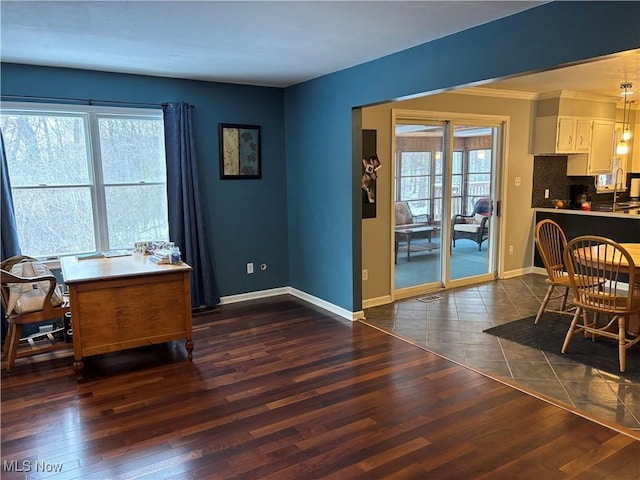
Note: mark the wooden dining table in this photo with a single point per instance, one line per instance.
(634, 251)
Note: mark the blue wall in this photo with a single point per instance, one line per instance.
(245, 219)
(323, 169)
(308, 228)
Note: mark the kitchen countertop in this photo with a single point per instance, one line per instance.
(595, 212)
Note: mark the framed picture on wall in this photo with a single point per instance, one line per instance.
(239, 151)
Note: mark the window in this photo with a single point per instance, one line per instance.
(85, 179)
(415, 181)
(419, 181)
(479, 177)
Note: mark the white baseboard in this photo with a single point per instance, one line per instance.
(516, 273)
(243, 297)
(353, 316)
(539, 270)
(377, 301)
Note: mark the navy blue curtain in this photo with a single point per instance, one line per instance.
(10, 244)
(186, 223)
(9, 232)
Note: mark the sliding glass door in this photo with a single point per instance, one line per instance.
(444, 203)
(418, 204)
(475, 154)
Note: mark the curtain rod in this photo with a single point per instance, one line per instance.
(88, 101)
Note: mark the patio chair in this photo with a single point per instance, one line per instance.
(409, 227)
(472, 227)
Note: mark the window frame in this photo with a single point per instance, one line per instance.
(90, 116)
(428, 176)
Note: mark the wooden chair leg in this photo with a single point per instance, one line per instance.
(563, 307)
(622, 344)
(545, 301)
(595, 325)
(572, 327)
(16, 332)
(7, 342)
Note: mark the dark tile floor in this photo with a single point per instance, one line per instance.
(453, 327)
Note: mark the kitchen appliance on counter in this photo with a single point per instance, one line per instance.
(580, 196)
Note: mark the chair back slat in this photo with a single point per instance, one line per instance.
(602, 274)
(550, 242)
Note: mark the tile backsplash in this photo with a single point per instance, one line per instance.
(551, 172)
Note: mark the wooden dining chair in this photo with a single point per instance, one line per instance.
(590, 260)
(550, 242)
(50, 310)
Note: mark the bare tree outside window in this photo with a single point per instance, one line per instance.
(74, 193)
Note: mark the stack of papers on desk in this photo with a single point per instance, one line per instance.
(161, 256)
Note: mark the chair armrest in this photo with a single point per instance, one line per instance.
(460, 218)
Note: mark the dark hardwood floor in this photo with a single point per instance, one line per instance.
(279, 389)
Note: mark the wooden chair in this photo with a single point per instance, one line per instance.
(16, 321)
(590, 259)
(550, 243)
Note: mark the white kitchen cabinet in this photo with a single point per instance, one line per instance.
(584, 135)
(598, 160)
(558, 134)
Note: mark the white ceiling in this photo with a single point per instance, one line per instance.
(269, 43)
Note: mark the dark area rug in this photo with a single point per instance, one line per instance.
(548, 335)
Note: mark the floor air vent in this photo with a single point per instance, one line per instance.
(430, 298)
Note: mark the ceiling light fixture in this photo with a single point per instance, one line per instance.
(623, 147)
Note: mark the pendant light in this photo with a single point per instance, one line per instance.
(623, 146)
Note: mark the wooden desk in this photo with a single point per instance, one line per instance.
(125, 302)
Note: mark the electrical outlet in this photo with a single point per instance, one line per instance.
(249, 268)
(510, 249)
(365, 274)
(518, 181)
(546, 193)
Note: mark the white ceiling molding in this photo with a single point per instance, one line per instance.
(578, 96)
(496, 92)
